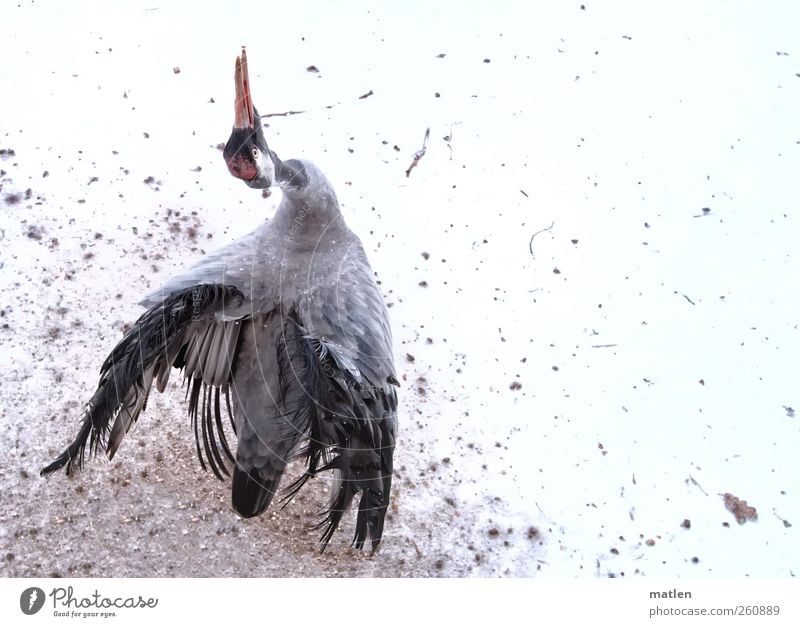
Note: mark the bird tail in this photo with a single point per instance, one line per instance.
(252, 492)
(147, 352)
(366, 470)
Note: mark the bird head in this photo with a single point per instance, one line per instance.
(246, 152)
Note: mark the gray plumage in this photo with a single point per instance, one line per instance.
(286, 330)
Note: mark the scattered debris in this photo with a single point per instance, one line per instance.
(420, 153)
(694, 482)
(282, 114)
(35, 232)
(739, 508)
(547, 228)
(785, 522)
(449, 139)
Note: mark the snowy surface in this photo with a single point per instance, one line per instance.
(568, 401)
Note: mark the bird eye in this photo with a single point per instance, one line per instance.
(255, 152)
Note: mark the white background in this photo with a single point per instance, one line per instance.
(655, 342)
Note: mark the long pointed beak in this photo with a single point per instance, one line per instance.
(245, 114)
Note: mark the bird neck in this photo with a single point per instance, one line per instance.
(309, 207)
(290, 174)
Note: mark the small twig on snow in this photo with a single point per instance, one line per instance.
(448, 139)
(785, 522)
(283, 114)
(280, 115)
(530, 245)
(420, 153)
(694, 481)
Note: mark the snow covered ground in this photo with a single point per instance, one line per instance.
(592, 275)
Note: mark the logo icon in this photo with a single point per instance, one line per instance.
(31, 600)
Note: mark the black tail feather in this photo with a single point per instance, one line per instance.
(251, 493)
(371, 513)
(350, 430)
(373, 480)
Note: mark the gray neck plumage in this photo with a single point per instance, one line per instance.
(291, 173)
(309, 206)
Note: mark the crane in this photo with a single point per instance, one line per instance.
(286, 332)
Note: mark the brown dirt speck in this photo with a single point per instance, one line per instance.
(739, 508)
(35, 232)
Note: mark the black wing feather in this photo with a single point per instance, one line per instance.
(123, 371)
(350, 430)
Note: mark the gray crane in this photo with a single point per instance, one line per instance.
(287, 325)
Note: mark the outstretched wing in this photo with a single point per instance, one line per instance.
(181, 330)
